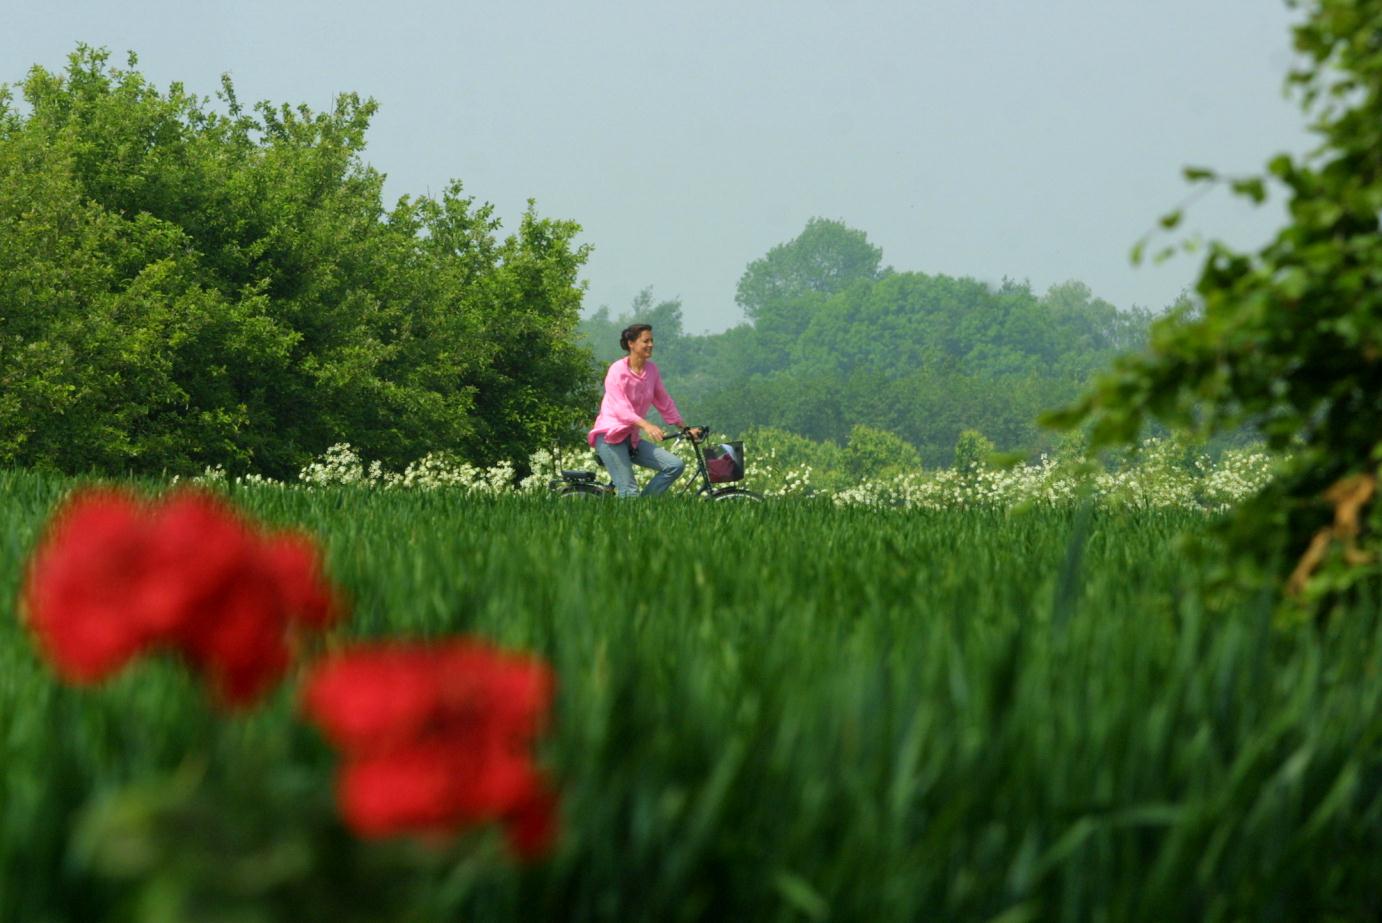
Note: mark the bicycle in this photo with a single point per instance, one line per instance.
(719, 465)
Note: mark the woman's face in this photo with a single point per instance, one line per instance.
(643, 346)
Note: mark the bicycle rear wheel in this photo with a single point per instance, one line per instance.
(582, 491)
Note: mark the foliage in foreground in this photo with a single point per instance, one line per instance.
(185, 287)
(434, 738)
(1289, 339)
(791, 711)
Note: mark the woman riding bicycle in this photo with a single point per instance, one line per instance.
(632, 385)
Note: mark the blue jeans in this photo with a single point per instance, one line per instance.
(619, 464)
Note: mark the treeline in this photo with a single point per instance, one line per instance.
(184, 286)
(834, 340)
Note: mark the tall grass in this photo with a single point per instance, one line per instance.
(794, 711)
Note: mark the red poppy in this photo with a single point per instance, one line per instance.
(91, 562)
(294, 563)
(240, 640)
(437, 738)
(374, 697)
(114, 576)
(197, 551)
(410, 789)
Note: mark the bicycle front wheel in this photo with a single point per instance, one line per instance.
(736, 493)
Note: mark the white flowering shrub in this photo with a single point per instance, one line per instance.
(1159, 478)
(791, 482)
(214, 476)
(1240, 473)
(339, 466)
(1161, 474)
(433, 471)
(783, 464)
(773, 478)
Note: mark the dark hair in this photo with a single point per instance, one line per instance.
(631, 333)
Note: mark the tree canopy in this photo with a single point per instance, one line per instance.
(185, 285)
(826, 257)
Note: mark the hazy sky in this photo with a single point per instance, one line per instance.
(992, 138)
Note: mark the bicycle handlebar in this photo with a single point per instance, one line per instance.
(685, 432)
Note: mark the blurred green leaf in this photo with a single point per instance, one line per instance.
(1252, 187)
(798, 892)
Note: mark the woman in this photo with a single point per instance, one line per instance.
(632, 384)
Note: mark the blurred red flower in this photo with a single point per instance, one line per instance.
(115, 576)
(437, 739)
(81, 581)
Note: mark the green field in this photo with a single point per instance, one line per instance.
(778, 712)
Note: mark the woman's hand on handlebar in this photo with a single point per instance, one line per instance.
(697, 433)
(652, 432)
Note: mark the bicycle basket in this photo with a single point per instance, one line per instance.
(725, 462)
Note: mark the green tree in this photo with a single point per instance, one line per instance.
(906, 321)
(183, 287)
(826, 257)
(972, 451)
(1289, 338)
(876, 453)
(781, 291)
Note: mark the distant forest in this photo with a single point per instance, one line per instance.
(834, 339)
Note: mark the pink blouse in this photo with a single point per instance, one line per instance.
(627, 398)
